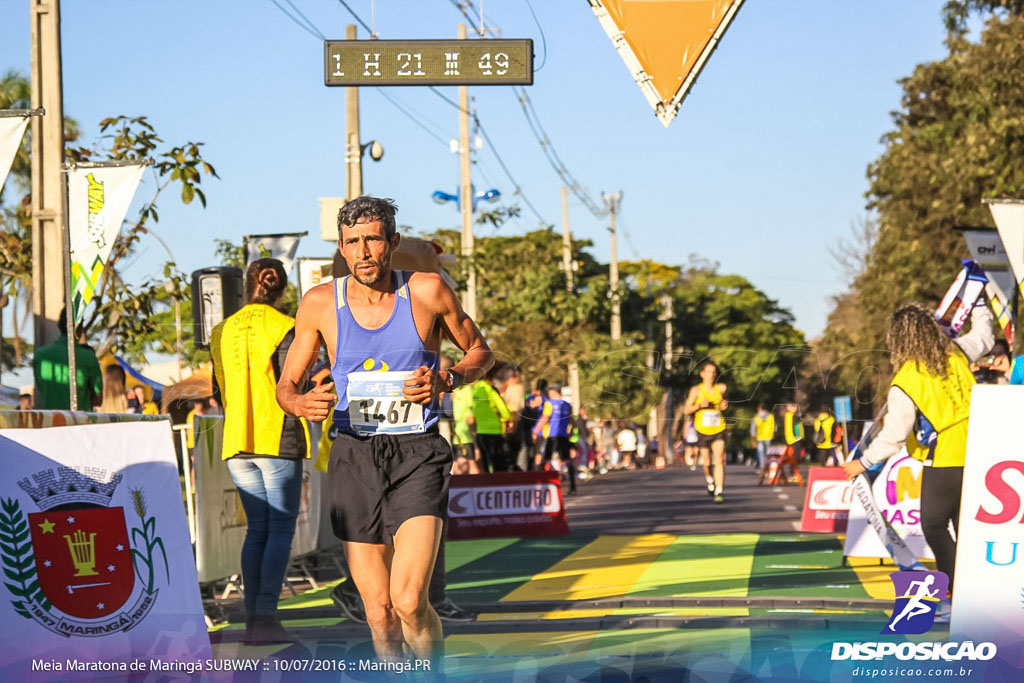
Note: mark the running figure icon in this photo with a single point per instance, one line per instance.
(917, 604)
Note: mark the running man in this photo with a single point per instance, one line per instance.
(556, 426)
(705, 402)
(388, 472)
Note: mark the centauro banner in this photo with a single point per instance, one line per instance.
(665, 43)
(12, 128)
(98, 199)
(95, 551)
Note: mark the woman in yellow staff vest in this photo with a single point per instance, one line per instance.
(928, 406)
(705, 402)
(762, 430)
(263, 447)
(828, 437)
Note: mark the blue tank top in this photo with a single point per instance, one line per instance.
(561, 414)
(395, 346)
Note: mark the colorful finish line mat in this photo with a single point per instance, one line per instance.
(730, 608)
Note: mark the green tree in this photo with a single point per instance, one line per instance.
(122, 314)
(727, 320)
(958, 138)
(955, 12)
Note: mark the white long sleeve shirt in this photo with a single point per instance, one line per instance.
(901, 411)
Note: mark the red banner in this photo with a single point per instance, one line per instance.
(827, 504)
(506, 504)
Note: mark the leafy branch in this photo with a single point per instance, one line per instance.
(147, 538)
(18, 559)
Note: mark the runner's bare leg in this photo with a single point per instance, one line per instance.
(705, 461)
(370, 566)
(416, 545)
(718, 455)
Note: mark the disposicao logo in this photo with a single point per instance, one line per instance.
(918, 594)
(917, 598)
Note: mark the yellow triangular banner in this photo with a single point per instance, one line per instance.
(665, 43)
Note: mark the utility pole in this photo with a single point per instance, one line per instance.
(612, 200)
(665, 434)
(466, 194)
(47, 158)
(574, 367)
(353, 150)
(566, 239)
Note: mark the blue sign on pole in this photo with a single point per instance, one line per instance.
(842, 408)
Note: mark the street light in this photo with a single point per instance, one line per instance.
(376, 150)
(491, 195)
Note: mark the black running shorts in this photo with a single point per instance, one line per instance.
(705, 440)
(375, 483)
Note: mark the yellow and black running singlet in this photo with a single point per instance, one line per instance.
(708, 421)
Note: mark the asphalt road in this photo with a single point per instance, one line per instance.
(675, 501)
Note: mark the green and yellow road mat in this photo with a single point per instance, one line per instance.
(730, 607)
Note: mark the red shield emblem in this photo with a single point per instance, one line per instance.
(83, 560)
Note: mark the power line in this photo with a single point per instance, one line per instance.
(438, 128)
(356, 16)
(535, 124)
(552, 155)
(501, 162)
(411, 117)
(308, 28)
(306, 19)
(543, 40)
(494, 150)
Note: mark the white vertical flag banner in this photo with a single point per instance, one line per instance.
(282, 247)
(986, 247)
(12, 129)
(98, 200)
(313, 271)
(1009, 217)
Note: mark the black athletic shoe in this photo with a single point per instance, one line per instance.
(347, 599)
(267, 629)
(449, 611)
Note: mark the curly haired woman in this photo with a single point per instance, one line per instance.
(928, 405)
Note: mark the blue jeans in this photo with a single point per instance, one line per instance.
(762, 453)
(270, 489)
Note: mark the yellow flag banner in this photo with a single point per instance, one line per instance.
(665, 43)
(98, 200)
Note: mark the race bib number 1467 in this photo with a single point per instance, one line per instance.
(376, 404)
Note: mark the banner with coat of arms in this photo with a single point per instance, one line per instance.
(94, 548)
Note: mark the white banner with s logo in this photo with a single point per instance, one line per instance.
(988, 589)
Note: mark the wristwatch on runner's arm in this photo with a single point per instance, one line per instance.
(453, 380)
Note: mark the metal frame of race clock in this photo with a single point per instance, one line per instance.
(518, 53)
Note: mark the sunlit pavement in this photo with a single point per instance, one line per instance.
(655, 579)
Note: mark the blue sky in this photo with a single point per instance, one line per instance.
(762, 170)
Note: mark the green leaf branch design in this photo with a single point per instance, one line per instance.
(146, 538)
(18, 558)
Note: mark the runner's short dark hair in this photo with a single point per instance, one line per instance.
(369, 208)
